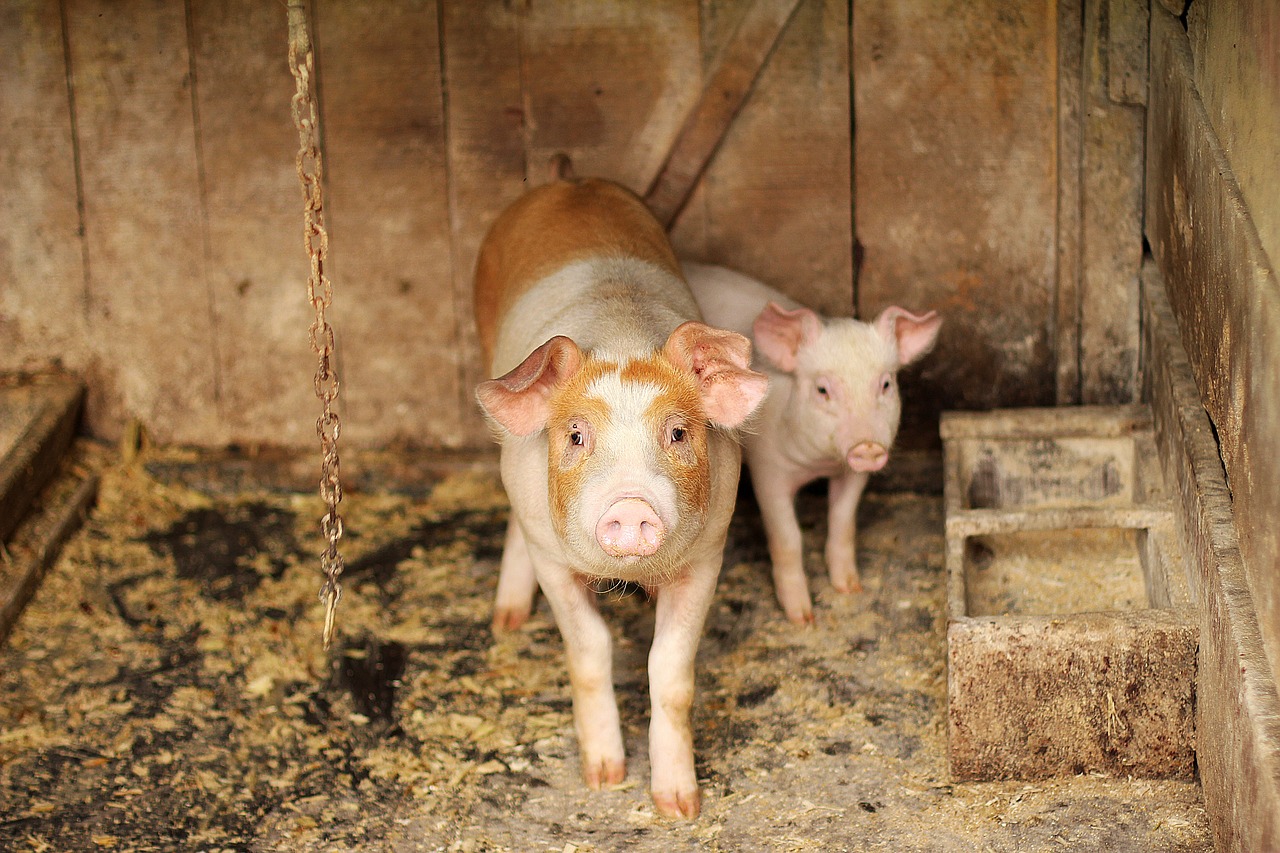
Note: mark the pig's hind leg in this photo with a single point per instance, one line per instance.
(516, 582)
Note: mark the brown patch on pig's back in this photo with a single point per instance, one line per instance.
(553, 226)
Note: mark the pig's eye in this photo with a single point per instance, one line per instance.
(678, 435)
(823, 392)
(886, 384)
(576, 439)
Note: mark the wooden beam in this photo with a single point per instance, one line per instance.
(725, 91)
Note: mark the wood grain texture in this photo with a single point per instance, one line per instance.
(728, 84)
(485, 117)
(388, 216)
(150, 322)
(42, 298)
(957, 190)
(1226, 297)
(1237, 708)
(254, 256)
(776, 202)
(1111, 219)
(1066, 321)
(1235, 47)
(608, 84)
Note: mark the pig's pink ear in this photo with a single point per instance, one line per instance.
(721, 361)
(518, 400)
(914, 334)
(780, 333)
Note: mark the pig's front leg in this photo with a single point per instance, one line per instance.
(680, 614)
(842, 511)
(775, 491)
(589, 651)
(516, 582)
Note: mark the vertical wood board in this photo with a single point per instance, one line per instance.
(485, 130)
(609, 84)
(42, 299)
(1111, 216)
(956, 112)
(776, 200)
(388, 219)
(256, 263)
(150, 320)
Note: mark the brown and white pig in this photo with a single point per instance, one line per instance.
(616, 409)
(832, 411)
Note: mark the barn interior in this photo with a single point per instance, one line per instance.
(1083, 189)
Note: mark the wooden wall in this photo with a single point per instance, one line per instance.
(1212, 177)
(151, 236)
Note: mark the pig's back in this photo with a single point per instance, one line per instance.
(729, 299)
(542, 262)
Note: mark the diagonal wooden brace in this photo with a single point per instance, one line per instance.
(727, 88)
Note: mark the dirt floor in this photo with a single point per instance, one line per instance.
(167, 690)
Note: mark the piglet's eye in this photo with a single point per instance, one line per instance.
(576, 439)
(678, 435)
(886, 385)
(823, 392)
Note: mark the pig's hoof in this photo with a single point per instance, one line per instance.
(848, 586)
(678, 804)
(509, 618)
(601, 773)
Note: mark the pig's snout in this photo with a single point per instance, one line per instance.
(630, 528)
(868, 456)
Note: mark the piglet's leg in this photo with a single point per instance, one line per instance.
(589, 651)
(776, 496)
(680, 613)
(842, 561)
(516, 582)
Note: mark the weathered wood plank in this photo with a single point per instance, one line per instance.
(1070, 41)
(1111, 222)
(1236, 50)
(388, 216)
(1227, 299)
(149, 316)
(1237, 707)
(485, 118)
(42, 299)
(777, 195)
(254, 256)
(726, 89)
(42, 418)
(37, 541)
(608, 84)
(957, 190)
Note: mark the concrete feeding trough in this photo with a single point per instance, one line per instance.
(1071, 646)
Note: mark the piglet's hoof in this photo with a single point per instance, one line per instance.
(603, 772)
(678, 804)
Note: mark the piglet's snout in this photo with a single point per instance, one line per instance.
(868, 456)
(630, 528)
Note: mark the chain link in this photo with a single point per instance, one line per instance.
(320, 294)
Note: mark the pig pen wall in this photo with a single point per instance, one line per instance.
(151, 229)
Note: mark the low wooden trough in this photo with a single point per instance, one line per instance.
(1071, 643)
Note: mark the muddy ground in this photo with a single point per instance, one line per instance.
(167, 690)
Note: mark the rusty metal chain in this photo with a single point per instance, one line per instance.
(320, 294)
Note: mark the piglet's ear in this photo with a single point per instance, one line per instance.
(720, 360)
(518, 400)
(913, 334)
(780, 333)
